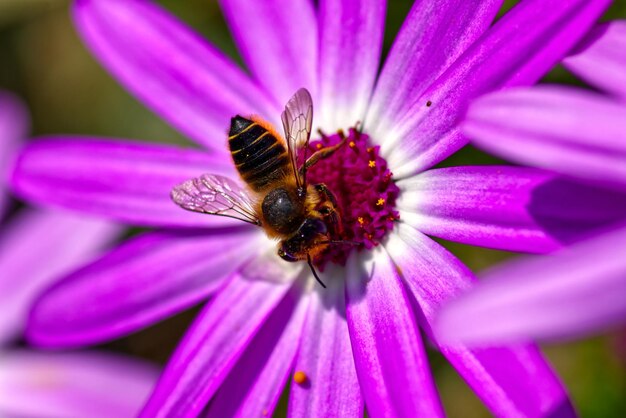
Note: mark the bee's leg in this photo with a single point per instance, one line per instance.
(323, 153)
(326, 193)
(328, 207)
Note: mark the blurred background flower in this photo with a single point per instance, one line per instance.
(70, 93)
(73, 385)
(36, 247)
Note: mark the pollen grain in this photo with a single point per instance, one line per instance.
(300, 377)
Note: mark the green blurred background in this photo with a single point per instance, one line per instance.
(43, 61)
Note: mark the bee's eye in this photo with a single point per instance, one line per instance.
(311, 227)
(286, 256)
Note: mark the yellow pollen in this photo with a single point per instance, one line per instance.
(299, 377)
(360, 220)
(380, 202)
(351, 144)
(319, 146)
(372, 163)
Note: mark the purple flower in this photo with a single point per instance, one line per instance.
(72, 385)
(357, 341)
(581, 134)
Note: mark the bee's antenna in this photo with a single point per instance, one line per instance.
(308, 260)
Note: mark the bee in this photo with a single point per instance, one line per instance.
(303, 217)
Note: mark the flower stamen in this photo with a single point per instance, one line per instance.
(363, 186)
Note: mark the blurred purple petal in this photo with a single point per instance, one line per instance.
(255, 384)
(351, 37)
(518, 50)
(278, 41)
(567, 130)
(433, 36)
(13, 128)
(171, 69)
(578, 291)
(122, 180)
(511, 381)
(73, 385)
(37, 248)
(390, 360)
(514, 380)
(141, 282)
(331, 388)
(219, 337)
(509, 208)
(600, 58)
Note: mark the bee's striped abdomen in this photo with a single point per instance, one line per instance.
(259, 156)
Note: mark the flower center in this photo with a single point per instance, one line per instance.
(363, 186)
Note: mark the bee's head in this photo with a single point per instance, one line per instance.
(297, 247)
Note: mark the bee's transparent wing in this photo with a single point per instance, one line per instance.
(297, 121)
(215, 195)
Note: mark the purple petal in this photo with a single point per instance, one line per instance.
(600, 58)
(13, 128)
(519, 49)
(255, 384)
(390, 359)
(509, 208)
(219, 337)
(73, 385)
(433, 36)
(170, 68)
(566, 130)
(123, 180)
(579, 291)
(331, 388)
(36, 248)
(351, 36)
(278, 41)
(511, 381)
(141, 282)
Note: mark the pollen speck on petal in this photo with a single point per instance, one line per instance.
(300, 377)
